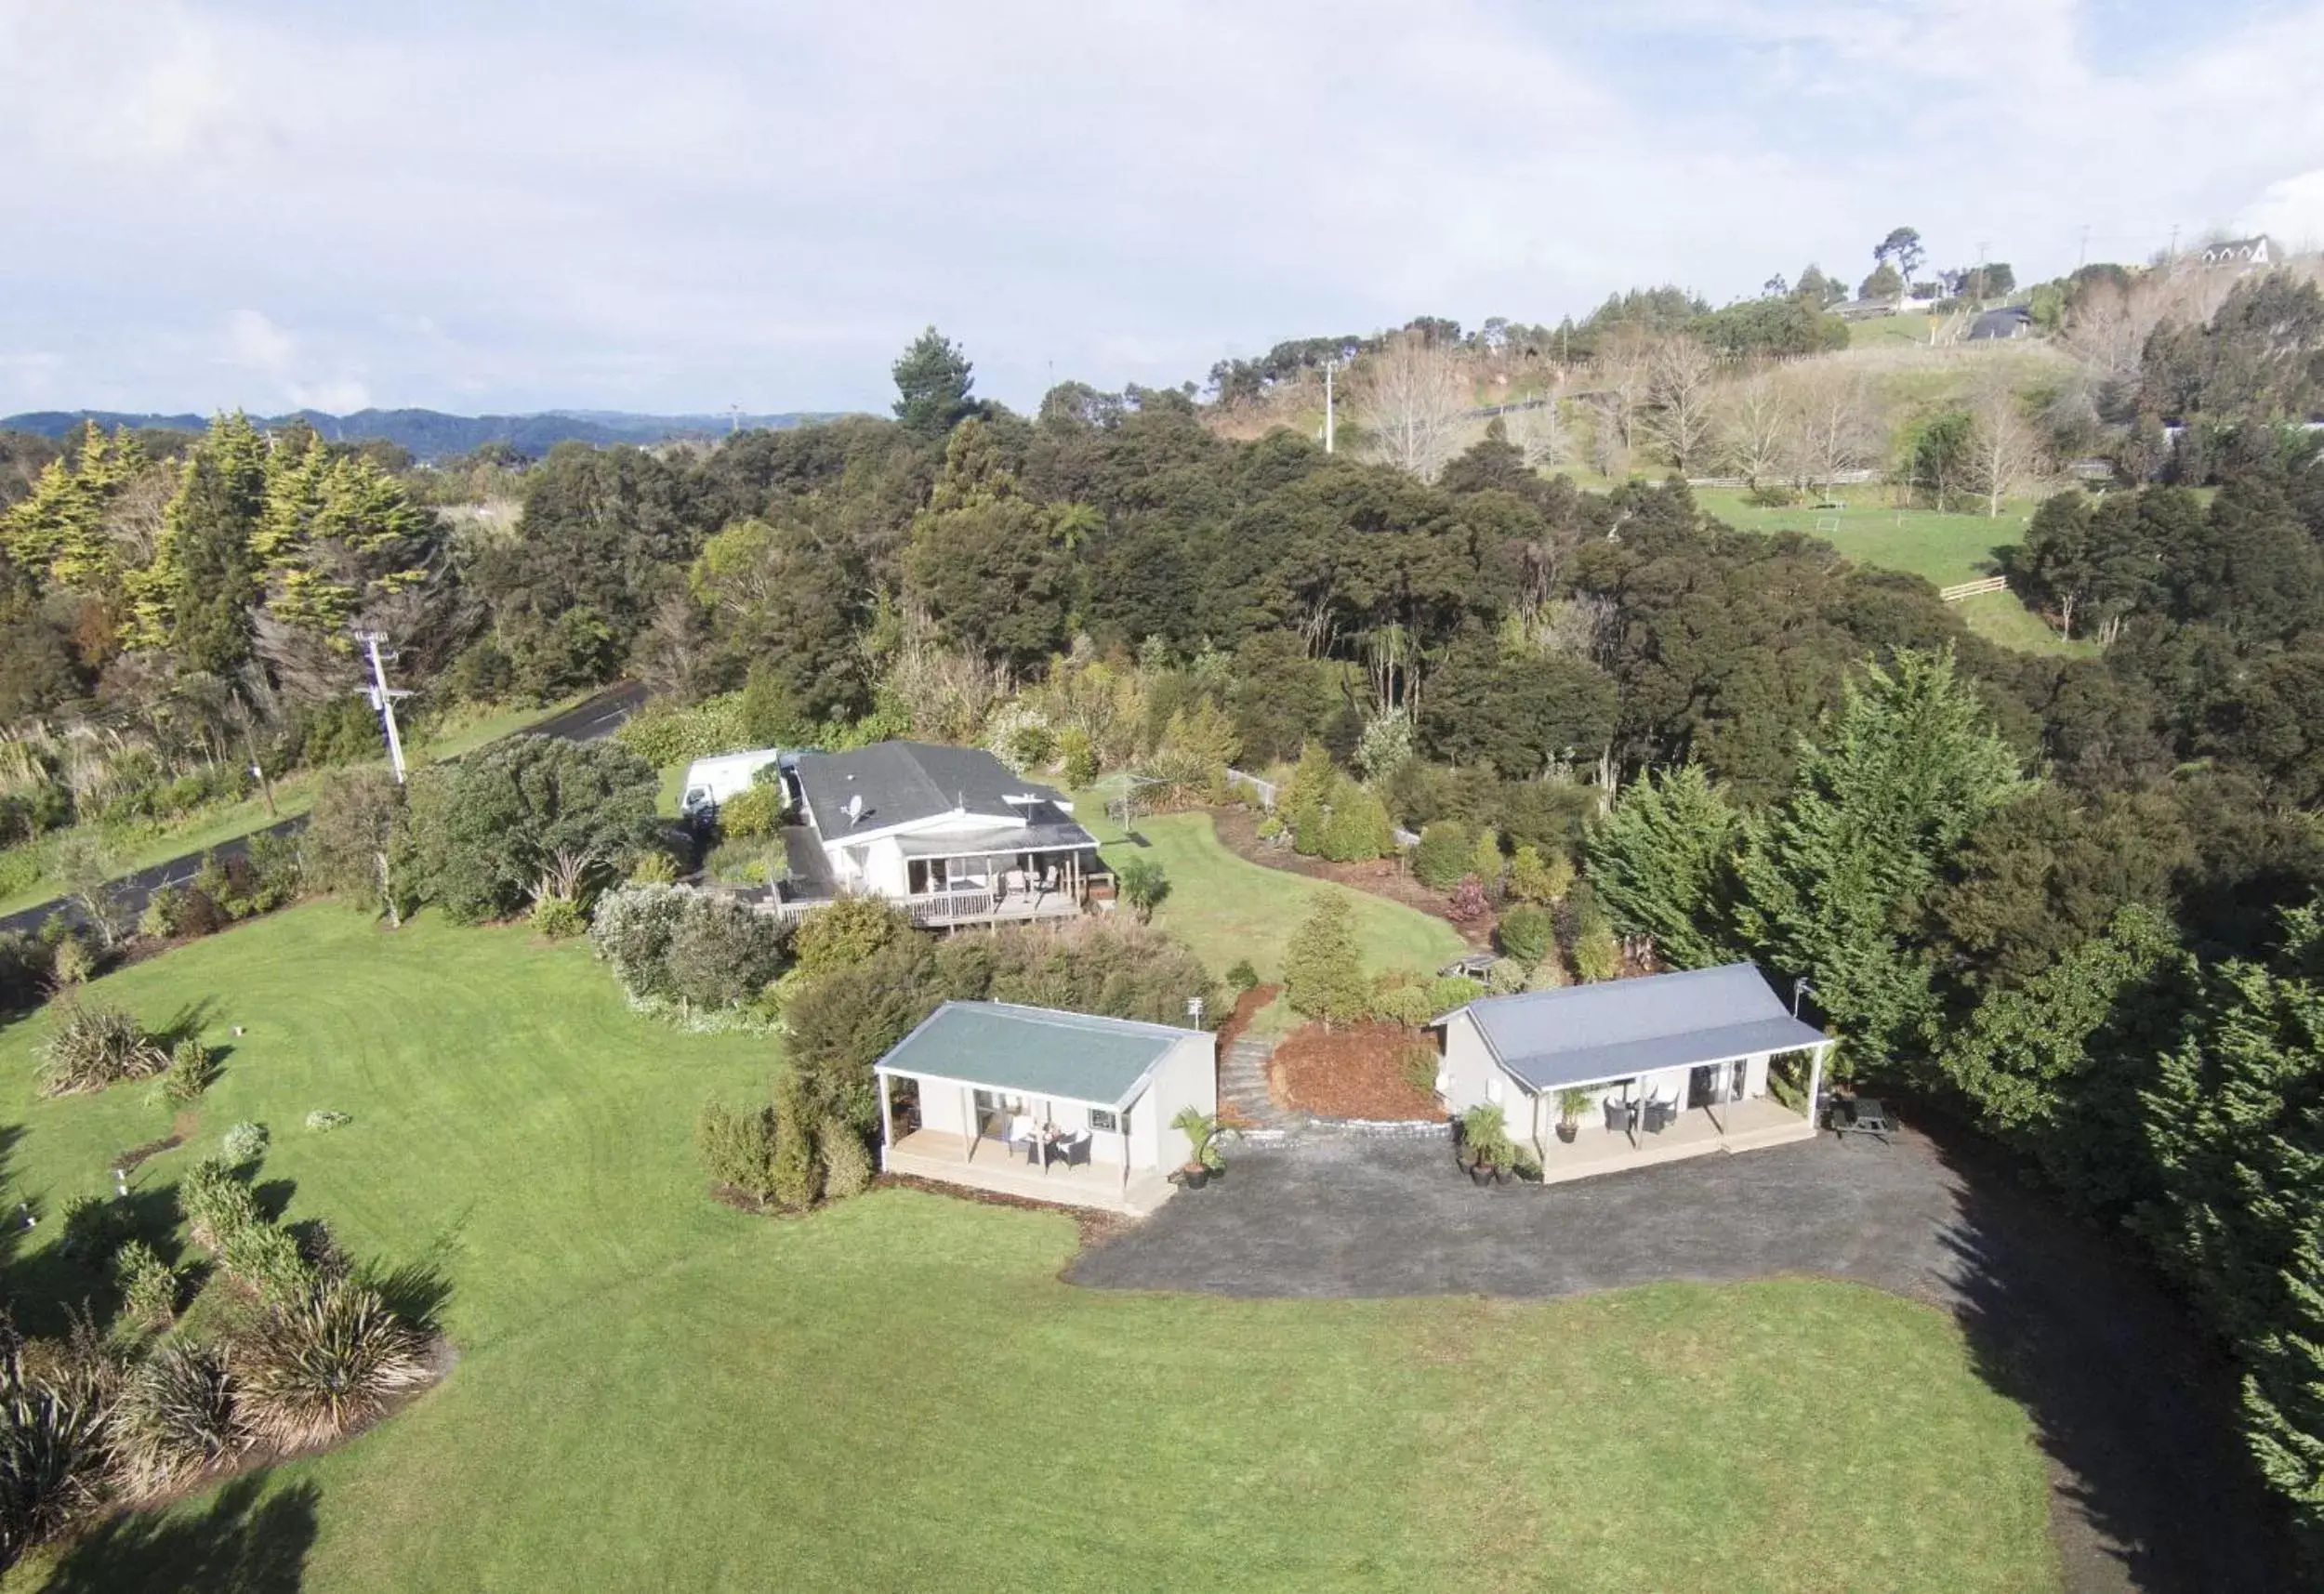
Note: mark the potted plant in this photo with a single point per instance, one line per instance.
(1572, 1103)
(1484, 1139)
(1203, 1161)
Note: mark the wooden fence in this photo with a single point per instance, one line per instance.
(1954, 593)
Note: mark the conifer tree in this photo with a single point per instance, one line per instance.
(1659, 864)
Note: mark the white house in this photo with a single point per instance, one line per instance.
(1668, 1066)
(2239, 254)
(950, 832)
(1051, 1105)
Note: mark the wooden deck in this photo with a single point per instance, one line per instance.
(1747, 1125)
(942, 909)
(926, 1153)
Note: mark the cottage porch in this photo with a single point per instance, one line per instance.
(986, 1163)
(1698, 1131)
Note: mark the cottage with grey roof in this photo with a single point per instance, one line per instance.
(1043, 1103)
(951, 833)
(1600, 1077)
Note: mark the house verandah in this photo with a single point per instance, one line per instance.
(1042, 1104)
(1657, 1069)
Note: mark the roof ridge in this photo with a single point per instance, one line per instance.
(1067, 1018)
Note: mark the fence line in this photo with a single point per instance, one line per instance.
(1954, 593)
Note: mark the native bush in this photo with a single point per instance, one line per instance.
(149, 1285)
(243, 1143)
(663, 733)
(215, 1204)
(1485, 862)
(1597, 956)
(73, 964)
(846, 933)
(1468, 904)
(1242, 976)
(1357, 828)
(94, 1047)
(1323, 972)
(92, 1227)
(1416, 1061)
(1541, 879)
(843, 1021)
(324, 1119)
(753, 813)
(672, 946)
(1443, 855)
(558, 918)
(847, 1165)
(653, 867)
(1096, 966)
(165, 914)
(1450, 991)
(1506, 977)
(266, 1260)
(795, 1174)
(1078, 758)
(192, 1069)
(318, 1366)
(1525, 933)
(737, 1147)
(176, 1415)
(1399, 999)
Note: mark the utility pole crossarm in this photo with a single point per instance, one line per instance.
(383, 699)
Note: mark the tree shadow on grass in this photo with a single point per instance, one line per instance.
(249, 1540)
(2131, 1407)
(187, 1022)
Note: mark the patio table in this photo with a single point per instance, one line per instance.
(1863, 1116)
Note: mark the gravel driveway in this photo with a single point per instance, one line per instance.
(2150, 1492)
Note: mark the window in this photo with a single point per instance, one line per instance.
(1104, 1121)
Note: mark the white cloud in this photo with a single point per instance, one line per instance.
(682, 204)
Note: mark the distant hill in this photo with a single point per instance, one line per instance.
(430, 434)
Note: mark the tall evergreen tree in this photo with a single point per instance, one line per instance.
(1661, 863)
(1833, 880)
(934, 379)
(198, 593)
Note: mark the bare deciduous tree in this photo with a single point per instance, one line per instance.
(1541, 434)
(1620, 377)
(1680, 399)
(1836, 429)
(2005, 455)
(1759, 428)
(1410, 397)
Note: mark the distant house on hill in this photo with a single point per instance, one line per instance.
(2010, 321)
(2237, 253)
(1865, 309)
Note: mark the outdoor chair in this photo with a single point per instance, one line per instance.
(1073, 1151)
(1619, 1115)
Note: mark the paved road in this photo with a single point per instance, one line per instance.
(590, 721)
(2148, 1489)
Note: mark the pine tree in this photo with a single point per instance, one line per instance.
(199, 591)
(1323, 973)
(1831, 879)
(797, 1176)
(1659, 864)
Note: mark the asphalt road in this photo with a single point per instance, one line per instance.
(591, 720)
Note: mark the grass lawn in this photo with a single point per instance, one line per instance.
(27, 862)
(654, 1391)
(1228, 909)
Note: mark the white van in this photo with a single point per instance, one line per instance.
(710, 781)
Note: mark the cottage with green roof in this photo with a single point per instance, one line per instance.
(1045, 1104)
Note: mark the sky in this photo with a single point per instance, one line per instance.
(509, 206)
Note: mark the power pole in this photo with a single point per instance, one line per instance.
(2175, 243)
(1328, 366)
(2081, 256)
(383, 699)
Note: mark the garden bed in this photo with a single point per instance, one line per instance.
(1237, 830)
(1353, 1072)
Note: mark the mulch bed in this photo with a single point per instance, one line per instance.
(1353, 1072)
(1238, 832)
(128, 1160)
(1246, 1007)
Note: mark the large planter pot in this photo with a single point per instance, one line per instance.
(1193, 1177)
(1481, 1173)
(1566, 1132)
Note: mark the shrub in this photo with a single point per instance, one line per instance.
(149, 1285)
(753, 813)
(94, 1047)
(1597, 956)
(795, 1174)
(73, 964)
(214, 1204)
(1357, 828)
(1525, 933)
(273, 877)
(847, 1164)
(663, 733)
(653, 867)
(243, 1143)
(1080, 760)
(737, 1147)
(846, 933)
(1506, 977)
(1485, 862)
(1468, 903)
(192, 1069)
(1443, 855)
(672, 945)
(1398, 999)
(1547, 975)
(175, 1416)
(165, 915)
(1536, 877)
(324, 1119)
(1142, 884)
(92, 1228)
(1484, 1136)
(1416, 1061)
(321, 1365)
(1242, 976)
(1323, 974)
(1451, 991)
(558, 918)
(1270, 828)
(266, 1260)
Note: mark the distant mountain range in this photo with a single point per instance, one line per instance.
(430, 434)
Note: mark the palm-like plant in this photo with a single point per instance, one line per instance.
(53, 1454)
(94, 1047)
(175, 1416)
(316, 1368)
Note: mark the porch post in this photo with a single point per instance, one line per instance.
(968, 1116)
(1814, 1079)
(887, 1121)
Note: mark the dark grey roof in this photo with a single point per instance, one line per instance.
(1584, 1034)
(1063, 836)
(1040, 1052)
(904, 781)
(2007, 322)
